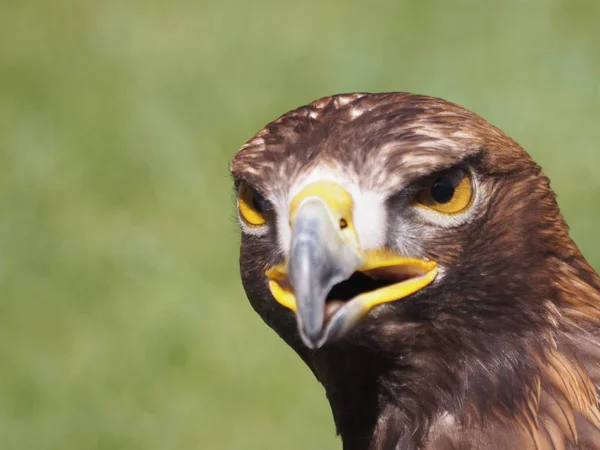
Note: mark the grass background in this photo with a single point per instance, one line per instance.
(122, 321)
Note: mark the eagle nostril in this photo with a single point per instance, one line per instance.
(343, 224)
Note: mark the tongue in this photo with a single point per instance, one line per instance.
(331, 307)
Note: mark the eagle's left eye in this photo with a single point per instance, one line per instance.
(450, 193)
(252, 206)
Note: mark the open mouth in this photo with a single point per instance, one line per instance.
(370, 281)
(382, 278)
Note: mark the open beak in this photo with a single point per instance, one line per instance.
(327, 280)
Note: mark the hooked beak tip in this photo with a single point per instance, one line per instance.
(313, 339)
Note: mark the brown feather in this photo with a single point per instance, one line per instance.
(504, 353)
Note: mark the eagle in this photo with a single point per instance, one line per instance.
(414, 256)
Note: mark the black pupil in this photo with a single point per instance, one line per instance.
(259, 202)
(442, 190)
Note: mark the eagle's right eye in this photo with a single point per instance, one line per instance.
(252, 206)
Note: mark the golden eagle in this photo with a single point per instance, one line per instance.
(414, 256)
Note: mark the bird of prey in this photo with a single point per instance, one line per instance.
(415, 258)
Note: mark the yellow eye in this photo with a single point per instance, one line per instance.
(451, 193)
(252, 206)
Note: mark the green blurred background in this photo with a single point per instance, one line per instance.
(123, 324)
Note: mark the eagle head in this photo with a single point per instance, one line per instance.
(414, 256)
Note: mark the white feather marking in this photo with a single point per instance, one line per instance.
(462, 134)
(420, 159)
(441, 274)
(251, 170)
(431, 132)
(443, 425)
(356, 112)
(343, 100)
(256, 141)
(284, 231)
(447, 419)
(370, 217)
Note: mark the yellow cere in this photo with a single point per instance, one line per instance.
(247, 207)
(333, 195)
(338, 200)
(461, 200)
